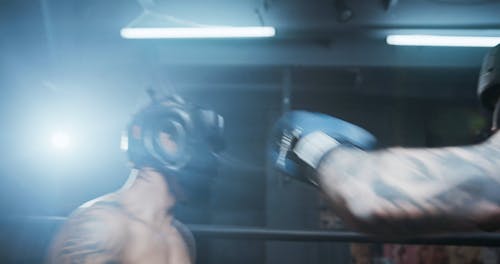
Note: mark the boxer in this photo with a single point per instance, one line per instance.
(397, 190)
(171, 145)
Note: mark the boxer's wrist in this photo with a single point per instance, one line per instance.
(313, 147)
(311, 150)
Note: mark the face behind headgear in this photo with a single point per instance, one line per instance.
(175, 137)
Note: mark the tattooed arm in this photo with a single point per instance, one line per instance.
(90, 236)
(404, 191)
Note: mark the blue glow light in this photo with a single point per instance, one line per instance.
(60, 140)
(197, 32)
(437, 40)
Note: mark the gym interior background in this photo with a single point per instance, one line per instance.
(69, 83)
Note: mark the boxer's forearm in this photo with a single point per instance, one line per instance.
(408, 190)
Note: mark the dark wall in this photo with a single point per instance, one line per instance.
(243, 194)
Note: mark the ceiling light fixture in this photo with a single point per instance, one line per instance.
(438, 40)
(196, 32)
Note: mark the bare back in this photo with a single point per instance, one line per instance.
(105, 233)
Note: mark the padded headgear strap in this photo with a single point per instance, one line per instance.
(496, 117)
(489, 80)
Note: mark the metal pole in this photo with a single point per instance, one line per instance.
(286, 85)
(269, 234)
(253, 233)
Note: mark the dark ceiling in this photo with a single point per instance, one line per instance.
(308, 32)
(65, 45)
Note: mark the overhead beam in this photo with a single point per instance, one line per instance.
(282, 53)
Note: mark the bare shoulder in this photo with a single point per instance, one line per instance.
(183, 229)
(188, 238)
(93, 234)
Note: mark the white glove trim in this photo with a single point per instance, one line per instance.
(312, 147)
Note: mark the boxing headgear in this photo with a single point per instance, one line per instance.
(489, 79)
(171, 135)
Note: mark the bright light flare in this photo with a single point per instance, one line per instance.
(124, 142)
(197, 32)
(437, 40)
(60, 140)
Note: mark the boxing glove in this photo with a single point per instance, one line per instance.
(300, 139)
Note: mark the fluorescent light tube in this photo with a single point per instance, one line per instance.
(197, 32)
(436, 40)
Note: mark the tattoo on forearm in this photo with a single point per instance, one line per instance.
(449, 186)
(88, 238)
